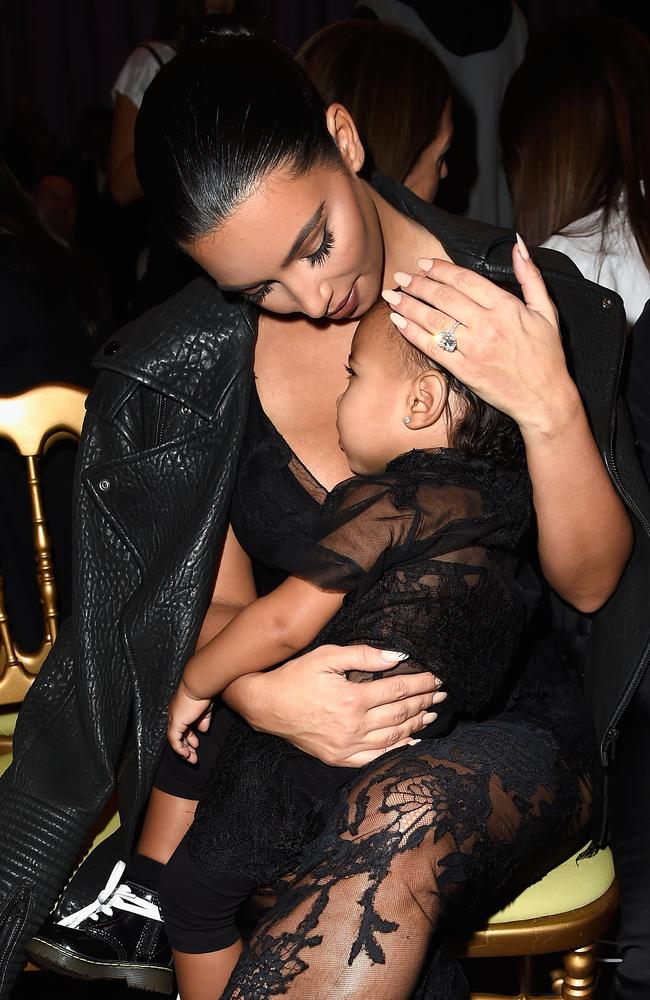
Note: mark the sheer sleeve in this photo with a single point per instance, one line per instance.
(371, 524)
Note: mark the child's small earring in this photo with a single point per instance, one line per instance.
(407, 420)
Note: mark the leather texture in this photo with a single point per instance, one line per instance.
(153, 481)
(154, 478)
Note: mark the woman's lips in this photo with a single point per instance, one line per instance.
(349, 305)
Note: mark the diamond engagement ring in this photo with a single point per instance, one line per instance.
(447, 338)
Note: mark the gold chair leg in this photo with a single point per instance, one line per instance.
(580, 974)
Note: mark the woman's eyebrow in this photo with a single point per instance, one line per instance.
(306, 230)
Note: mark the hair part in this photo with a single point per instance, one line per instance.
(393, 85)
(577, 138)
(230, 108)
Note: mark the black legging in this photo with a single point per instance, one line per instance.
(630, 828)
(459, 823)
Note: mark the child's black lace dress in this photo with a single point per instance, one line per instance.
(426, 554)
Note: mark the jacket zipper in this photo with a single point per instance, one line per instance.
(608, 744)
(161, 419)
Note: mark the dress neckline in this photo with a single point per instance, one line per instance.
(283, 441)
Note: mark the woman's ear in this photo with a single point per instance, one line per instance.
(341, 127)
(428, 397)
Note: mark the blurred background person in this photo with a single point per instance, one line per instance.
(577, 150)
(57, 203)
(397, 91)
(481, 44)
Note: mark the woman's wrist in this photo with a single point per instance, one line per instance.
(246, 696)
(560, 412)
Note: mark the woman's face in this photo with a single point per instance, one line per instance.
(430, 167)
(310, 244)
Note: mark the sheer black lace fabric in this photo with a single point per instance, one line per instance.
(426, 553)
(423, 836)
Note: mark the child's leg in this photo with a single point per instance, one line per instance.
(200, 912)
(177, 788)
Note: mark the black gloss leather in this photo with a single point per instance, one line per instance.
(154, 478)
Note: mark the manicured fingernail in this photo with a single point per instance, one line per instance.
(391, 296)
(391, 655)
(523, 249)
(429, 717)
(413, 743)
(398, 320)
(424, 263)
(402, 278)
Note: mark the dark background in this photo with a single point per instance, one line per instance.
(61, 56)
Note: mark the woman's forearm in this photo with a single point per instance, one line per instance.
(584, 532)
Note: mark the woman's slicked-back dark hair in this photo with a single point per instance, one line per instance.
(230, 108)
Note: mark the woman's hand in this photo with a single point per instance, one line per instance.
(508, 352)
(184, 711)
(309, 702)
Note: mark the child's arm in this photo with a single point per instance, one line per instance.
(265, 632)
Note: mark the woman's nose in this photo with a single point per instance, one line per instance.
(314, 300)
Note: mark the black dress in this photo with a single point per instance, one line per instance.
(460, 812)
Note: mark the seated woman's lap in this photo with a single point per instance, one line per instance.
(420, 833)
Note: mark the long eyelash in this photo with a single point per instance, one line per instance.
(348, 369)
(324, 249)
(258, 297)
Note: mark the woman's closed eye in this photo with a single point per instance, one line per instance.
(324, 250)
(349, 371)
(259, 294)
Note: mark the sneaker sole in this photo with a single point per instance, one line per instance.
(152, 978)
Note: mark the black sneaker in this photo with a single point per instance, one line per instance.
(118, 936)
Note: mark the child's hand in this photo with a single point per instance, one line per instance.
(184, 710)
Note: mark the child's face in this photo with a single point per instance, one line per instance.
(370, 416)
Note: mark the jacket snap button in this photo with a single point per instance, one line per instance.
(104, 485)
(112, 348)
(607, 303)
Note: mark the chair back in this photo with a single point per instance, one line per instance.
(32, 421)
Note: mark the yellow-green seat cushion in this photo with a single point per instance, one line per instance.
(567, 887)
(8, 716)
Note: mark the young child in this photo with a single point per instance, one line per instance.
(416, 553)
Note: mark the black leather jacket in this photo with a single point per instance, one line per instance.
(154, 477)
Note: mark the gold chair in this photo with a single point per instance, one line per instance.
(566, 912)
(32, 421)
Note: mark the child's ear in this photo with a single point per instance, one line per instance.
(428, 397)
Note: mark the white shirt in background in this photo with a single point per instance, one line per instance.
(139, 70)
(614, 261)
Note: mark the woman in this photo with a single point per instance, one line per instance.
(398, 93)
(577, 151)
(165, 430)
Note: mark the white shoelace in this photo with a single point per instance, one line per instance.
(113, 896)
